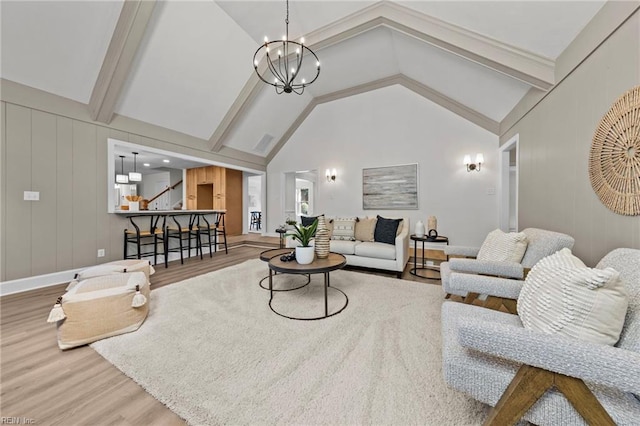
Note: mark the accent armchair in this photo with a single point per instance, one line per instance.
(547, 379)
(502, 281)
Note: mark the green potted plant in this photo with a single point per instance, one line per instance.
(304, 235)
(290, 223)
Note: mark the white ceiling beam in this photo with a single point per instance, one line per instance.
(525, 66)
(126, 39)
(247, 95)
(401, 79)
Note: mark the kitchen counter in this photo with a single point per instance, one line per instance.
(166, 212)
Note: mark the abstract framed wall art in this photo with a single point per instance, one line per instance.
(390, 188)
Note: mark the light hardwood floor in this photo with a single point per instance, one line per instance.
(38, 381)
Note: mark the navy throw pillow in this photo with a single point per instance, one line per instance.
(386, 229)
(308, 220)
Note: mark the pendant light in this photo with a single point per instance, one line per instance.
(122, 178)
(134, 176)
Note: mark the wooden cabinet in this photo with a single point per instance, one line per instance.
(218, 188)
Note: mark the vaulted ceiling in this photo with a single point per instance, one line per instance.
(187, 65)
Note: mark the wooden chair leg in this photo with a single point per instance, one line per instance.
(528, 385)
(493, 302)
(583, 400)
(511, 306)
(470, 298)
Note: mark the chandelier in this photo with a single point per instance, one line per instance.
(285, 69)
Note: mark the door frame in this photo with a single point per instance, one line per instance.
(505, 168)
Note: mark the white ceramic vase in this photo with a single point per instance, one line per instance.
(419, 229)
(304, 255)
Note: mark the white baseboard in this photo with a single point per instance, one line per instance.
(39, 281)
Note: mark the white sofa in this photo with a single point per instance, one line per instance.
(369, 254)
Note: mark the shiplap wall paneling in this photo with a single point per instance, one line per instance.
(3, 188)
(84, 194)
(43, 212)
(102, 217)
(64, 194)
(555, 139)
(18, 167)
(117, 224)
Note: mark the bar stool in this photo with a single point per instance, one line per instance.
(215, 227)
(256, 220)
(144, 237)
(182, 233)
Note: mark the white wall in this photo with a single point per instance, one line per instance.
(392, 126)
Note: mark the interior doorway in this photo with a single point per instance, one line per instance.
(254, 210)
(509, 185)
(299, 194)
(205, 196)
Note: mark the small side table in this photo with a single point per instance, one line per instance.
(414, 271)
(282, 233)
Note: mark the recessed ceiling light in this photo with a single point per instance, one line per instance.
(166, 161)
(146, 164)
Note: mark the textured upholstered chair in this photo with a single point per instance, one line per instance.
(547, 379)
(502, 281)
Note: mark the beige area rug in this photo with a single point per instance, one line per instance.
(214, 353)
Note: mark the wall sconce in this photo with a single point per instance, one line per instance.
(473, 166)
(331, 175)
(134, 176)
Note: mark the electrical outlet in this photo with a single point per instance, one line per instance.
(100, 252)
(491, 190)
(31, 196)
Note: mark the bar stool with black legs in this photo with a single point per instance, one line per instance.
(256, 220)
(139, 237)
(183, 233)
(214, 228)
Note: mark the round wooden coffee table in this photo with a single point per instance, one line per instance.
(267, 255)
(334, 262)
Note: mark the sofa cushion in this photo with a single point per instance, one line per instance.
(365, 228)
(386, 230)
(500, 246)
(343, 247)
(376, 250)
(344, 229)
(562, 296)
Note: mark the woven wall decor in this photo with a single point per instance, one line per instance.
(614, 160)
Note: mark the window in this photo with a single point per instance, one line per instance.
(302, 201)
